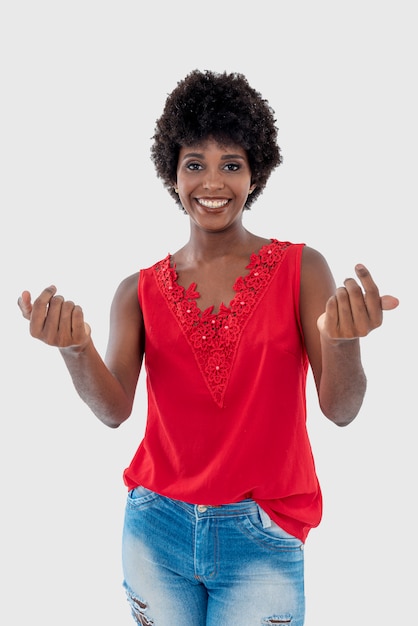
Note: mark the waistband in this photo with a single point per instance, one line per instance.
(201, 511)
(234, 509)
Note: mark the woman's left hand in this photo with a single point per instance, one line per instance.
(353, 311)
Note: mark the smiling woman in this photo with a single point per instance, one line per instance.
(222, 489)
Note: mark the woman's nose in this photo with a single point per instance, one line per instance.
(213, 180)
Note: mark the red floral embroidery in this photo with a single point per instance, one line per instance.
(214, 338)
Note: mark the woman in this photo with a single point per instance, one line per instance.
(222, 491)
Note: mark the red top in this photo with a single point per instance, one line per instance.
(226, 393)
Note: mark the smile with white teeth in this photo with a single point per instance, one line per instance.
(212, 204)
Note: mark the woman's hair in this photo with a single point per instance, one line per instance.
(225, 107)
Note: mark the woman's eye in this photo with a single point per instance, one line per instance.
(232, 167)
(194, 166)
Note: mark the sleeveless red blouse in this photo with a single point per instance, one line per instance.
(226, 393)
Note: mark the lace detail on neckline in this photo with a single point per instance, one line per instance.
(214, 337)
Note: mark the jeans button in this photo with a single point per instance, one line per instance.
(202, 508)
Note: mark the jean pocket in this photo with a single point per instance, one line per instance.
(140, 496)
(272, 536)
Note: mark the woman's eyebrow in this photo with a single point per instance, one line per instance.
(199, 155)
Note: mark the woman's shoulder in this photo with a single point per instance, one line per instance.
(126, 292)
(313, 258)
(129, 282)
(316, 274)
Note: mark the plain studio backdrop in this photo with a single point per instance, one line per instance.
(82, 84)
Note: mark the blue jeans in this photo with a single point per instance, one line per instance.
(197, 565)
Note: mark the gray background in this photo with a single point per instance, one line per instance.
(82, 84)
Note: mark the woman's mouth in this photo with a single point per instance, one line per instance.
(212, 204)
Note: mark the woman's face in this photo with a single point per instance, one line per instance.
(213, 183)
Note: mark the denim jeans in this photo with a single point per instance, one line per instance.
(197, 565)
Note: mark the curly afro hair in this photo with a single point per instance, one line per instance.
(219, 105)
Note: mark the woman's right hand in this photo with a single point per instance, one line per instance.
(55, 321)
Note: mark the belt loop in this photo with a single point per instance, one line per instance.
(264, 518)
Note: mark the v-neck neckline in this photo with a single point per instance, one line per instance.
(214, 337)
(192, 291)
